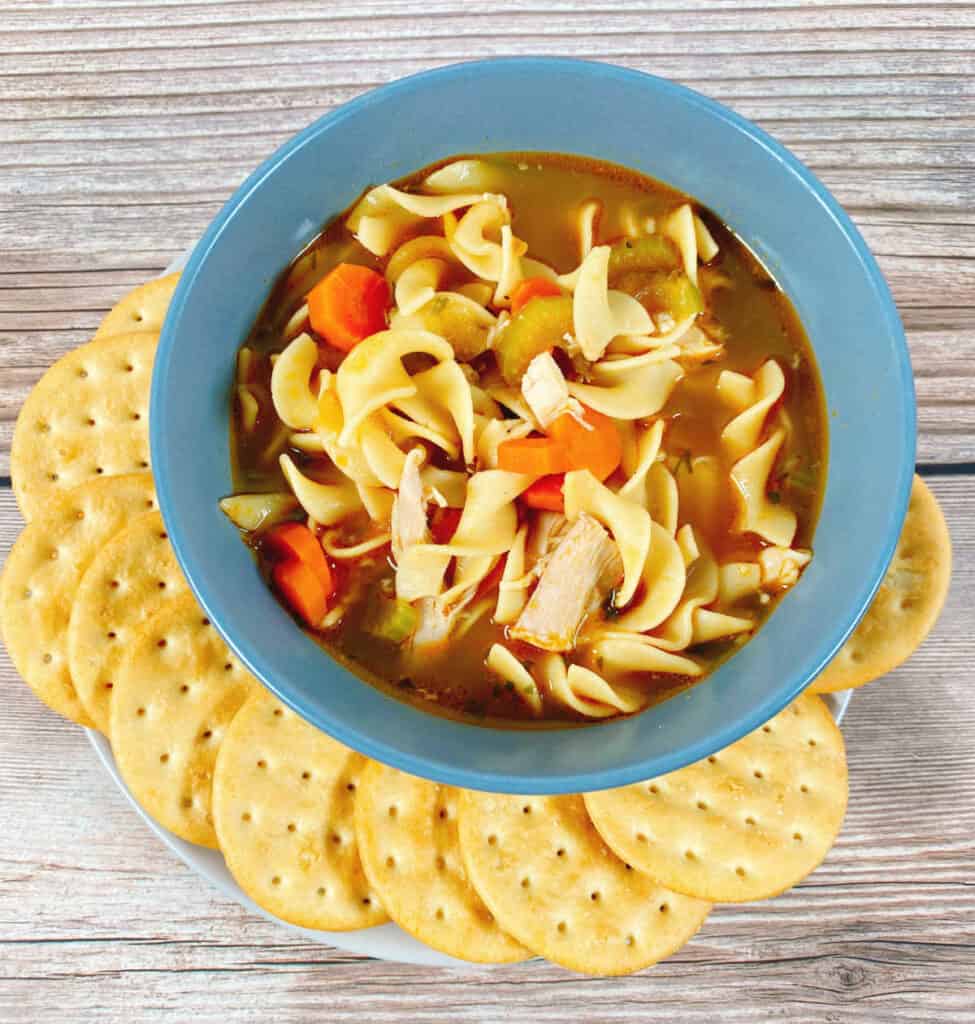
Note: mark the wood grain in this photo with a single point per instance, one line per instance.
(884, 930)
(123, 128)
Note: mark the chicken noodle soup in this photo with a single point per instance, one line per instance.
(528, 438)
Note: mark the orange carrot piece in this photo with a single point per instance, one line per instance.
(303, 591)
(348, 304)
(546, 494)
(443, 524)
(532, 288)
(294, 542)
(533, 456)
(598, 448)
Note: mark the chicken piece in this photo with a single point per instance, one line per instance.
(578, 576)
(409, 518)
(543, 536)
(781, 567)
(546, 392)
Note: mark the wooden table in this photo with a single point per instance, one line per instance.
(124, 126)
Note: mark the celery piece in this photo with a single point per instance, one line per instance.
(393, 621)
(649, 252)
(539, 326)
(258, 511)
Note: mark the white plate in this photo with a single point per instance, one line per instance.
(385, 942)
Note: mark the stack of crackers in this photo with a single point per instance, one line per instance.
(98, 619)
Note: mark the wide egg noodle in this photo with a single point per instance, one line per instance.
(418, 284)
(504, 664)
(402, 430)
(295, 403)
(630, 395)
(620, 654)
(755, 399)
(646, 447)
(491, 433)
(446, 387)
(587, 217)
(756, 513)
(372, 375)
(599, 314)
(628, 522)
(415, 250)
(584, 691)
(513, 588)
(680, 229)
(663, 577)
(325, 503)
(348, 458)
(663, 497)
(384, 456)
(384, 214)
(511, 273)
(475, 239)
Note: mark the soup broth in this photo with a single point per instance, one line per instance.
(718, 495)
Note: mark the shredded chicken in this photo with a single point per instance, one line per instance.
(409, 516)
(578, 576)
(544, 388)
(542, 538)
(781, 567)
(435, 622)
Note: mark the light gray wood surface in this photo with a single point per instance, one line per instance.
(124, 126)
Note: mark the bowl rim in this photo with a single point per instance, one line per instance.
(428, 766)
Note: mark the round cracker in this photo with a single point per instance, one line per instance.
(43, 571)
(143, 309)
(175, 693)
(906, 605)
(119, 591)
(87, 417)
(407, 833)
(283, 806)
(550, 881)
(744, 824)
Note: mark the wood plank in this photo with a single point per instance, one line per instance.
(886, 925)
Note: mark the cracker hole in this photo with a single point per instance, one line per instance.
(111, 635)
(442, 814)
(812, 742)
(79, 514)
(640, 837)
(321, 890)
(161, 585)
(228, 667)
(163, 535)
(108, 686)
(246, 816)
(28, 593)
(439, 914)
(305, 776)
(129, 368)
(750, 821)
(441, 864)
(162, 643)
(292, 826)
(856, 656)
(163, 758)
(653, 789)
(629, 940)
(187, 802)
(262, 763)
(527, 809)
(391, 863)
(493, 841)
(82, 373)
(43, 428)
(366, 902)
(207, 734)
(47, 659)
(350, 786)
(392, 811)
(53, 554)
(803, 789)
(766, 728)
(797, 836)
(114, 584)
(204, 622)
(89, 422)
(701, 805)
(690, 855)
(99, 470)
(142, 464)
(664, 908)
(712, 760)
(276, 880)
(560, 852)
(184, 688)
(141, 712)
(758, 774)
(336, 839)
(136, 416)
(740, 872)
(137, 317)
(594, 896)
(52, 477)
(526, 883)
(562, 927)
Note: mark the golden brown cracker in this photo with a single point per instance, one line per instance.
(407, 833)
(283, 806)
(119, 591)
(175, 693)
(42, 574)
(550, 881)
(744, 824)
(87, 417)
(143, 309)
(906, 605)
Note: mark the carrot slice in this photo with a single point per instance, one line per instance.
(533, 456)
(595, 445)
(294, 542)
(546, 494)
(302, 590)
(348, 304)
(532, 288)
(443, 524)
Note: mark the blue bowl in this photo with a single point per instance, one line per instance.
(756, 186)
